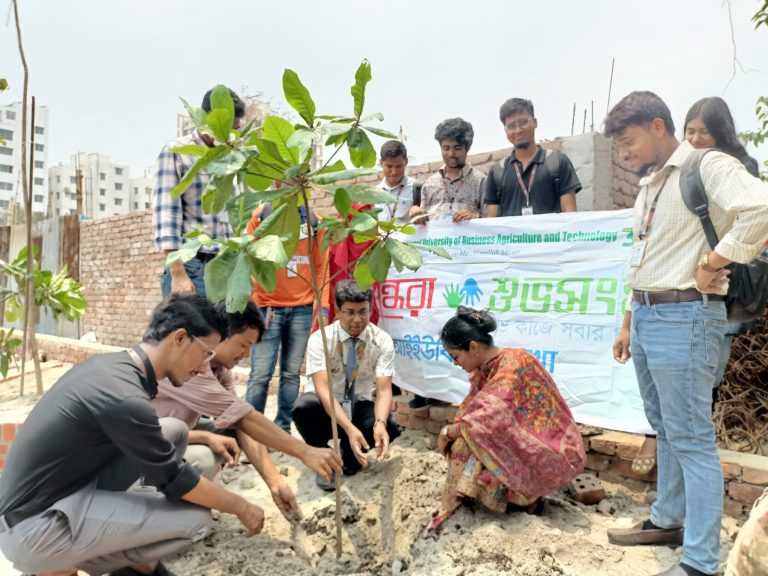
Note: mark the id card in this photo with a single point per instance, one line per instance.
(527, 211)
(638, 251)
(347, 407)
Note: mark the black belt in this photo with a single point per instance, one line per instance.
(206, 256)
(674, 296)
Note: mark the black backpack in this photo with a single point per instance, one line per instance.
(748, 289)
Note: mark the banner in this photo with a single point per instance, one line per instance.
(554, 283)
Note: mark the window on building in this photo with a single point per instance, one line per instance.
(6, 168)
(38, 181)
(102, 191)
(102, 176)
(39, 164)
(58, 179)
(39, 130)
(118, 201)
(135, 205)
(58, 195)
(118, 186)
(10, 114)
(148, 190)
(6, 135)
(6, 151)
(73, 179)
(146, 205)
(58, 212)
(39, 147)
(118, 171)
(3, 203)
(135, 189)
(38, 198)
(6, 186)
(102, 207)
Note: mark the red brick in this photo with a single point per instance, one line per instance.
(401, 407)
(755, 476)
(401, 419)
(421, 412)
(624, 468)
(731, 470)
(597, 444)
(415, 422)
(4, 449)
(433, 426)
(733, 508)
(9, 433)
(437, 413)
(746, 493)
(2, 463)
(597, 462)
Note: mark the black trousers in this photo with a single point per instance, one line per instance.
(314, 425)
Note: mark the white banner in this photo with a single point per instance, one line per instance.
(555, 284)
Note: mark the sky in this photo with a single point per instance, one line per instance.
(111, 71)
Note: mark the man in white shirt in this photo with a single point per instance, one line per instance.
(362, 359)
(393, 162)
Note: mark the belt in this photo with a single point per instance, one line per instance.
(674, 296)
(206, 256)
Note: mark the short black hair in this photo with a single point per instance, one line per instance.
(637, 109)
(455, 129)
(239, 322)
(193, 312)
(349, 291)
(515, 106)
(393, 149)
(467, 326)
(239, 105)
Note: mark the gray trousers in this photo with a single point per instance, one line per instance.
(102, 528)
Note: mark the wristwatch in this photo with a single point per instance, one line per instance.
(444, 432)
(704, 264)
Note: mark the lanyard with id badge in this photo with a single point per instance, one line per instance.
(527, 210)
(356, 348)
(638, 248)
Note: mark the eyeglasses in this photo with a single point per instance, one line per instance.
(208, 350)
(521, 124)
(364, 313)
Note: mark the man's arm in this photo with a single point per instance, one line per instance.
(207, 494)
(491, 210)
(568, 202)
(381, 409)
(621, 345)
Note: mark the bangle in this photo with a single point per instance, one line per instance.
(380, 421)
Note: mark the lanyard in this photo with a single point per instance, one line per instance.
(392, 211)
(140, 357)
(456, 191)
(526, 189)
(649, 212)
(349, 382)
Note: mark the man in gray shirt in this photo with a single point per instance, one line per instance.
(64, 499)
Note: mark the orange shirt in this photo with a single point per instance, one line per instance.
(293, 288)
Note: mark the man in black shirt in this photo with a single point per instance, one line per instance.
(64, 498)
(532, 180)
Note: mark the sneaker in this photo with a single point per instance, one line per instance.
(327, 486)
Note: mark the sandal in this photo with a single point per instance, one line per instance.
(645, 459)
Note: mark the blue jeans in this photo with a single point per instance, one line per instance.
(676, 349)
(195, 269)
(288, 332)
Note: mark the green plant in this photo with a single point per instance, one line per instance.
(273, 165)
(760, 135)
(54, 291)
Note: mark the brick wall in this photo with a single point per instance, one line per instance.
(120, 269)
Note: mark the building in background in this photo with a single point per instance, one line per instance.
(141, 190)
(11, 196)
(106, 186)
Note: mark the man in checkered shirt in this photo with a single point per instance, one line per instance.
(172, 218)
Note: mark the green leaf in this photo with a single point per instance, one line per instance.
(363, 223)
(12, 309)
(297, 96)
(333, 129)
(191, 150)
(265, 274)
(288, 223)
(336, 139)
(217, 193)
(351, 174)
(239, 286)
(367, 195)
(228, 163)
(362, 77)
(217, 271)
(375, 116)
(341, 201)
(363, 275)
(220, 124)
(382, 133)
(361, 150)
(197, 115)
(407, 255)
(302, 139)
(438, 250)
(269, 249)
(379, 262)
(278, 130)
(185, 253)
(221, 99)
(196, 168)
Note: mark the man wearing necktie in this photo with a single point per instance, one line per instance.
(360, 374)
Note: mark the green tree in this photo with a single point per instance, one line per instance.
(273, 165)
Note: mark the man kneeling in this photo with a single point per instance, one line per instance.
(362, 358)
(233, 422)
(64, 499)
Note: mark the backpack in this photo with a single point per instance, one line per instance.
(748, 288)
(551, 161)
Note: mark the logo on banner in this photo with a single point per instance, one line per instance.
(467, 294)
